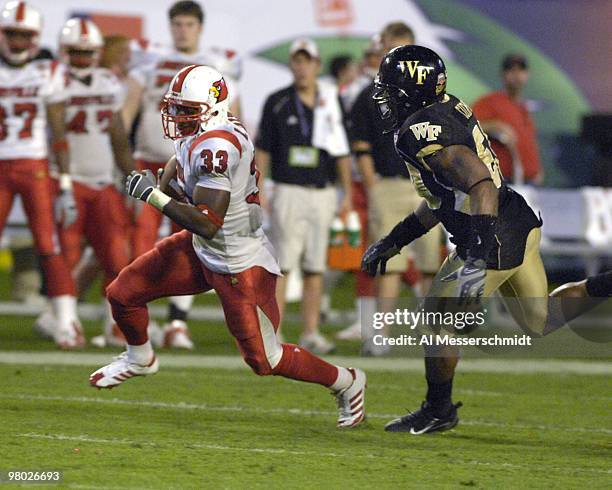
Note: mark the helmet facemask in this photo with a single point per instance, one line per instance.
(81, 60)
(392, 104)
(19, 45)
(181, 118)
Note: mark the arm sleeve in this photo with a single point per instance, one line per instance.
(341, 140)
(119, 93)
(265, 132)
(213, 161)
(55, 91)
(139, 74)
(360, 117)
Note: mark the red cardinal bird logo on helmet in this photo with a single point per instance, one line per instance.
(219, 90)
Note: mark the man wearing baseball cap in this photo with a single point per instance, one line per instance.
(303, 143)
(505, 118)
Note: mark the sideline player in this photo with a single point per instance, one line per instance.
(222, 247)
(147, 87)
(497, 234)
(32, 99)
(94, 127)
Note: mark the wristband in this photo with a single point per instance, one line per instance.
(407, 230)
(483, 237)
(360, 153)
(158, 199)
(65, 182)
(60, 145)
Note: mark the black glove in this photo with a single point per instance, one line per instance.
(377, 255)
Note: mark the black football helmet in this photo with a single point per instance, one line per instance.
(409, 77)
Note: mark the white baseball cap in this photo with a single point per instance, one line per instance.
(304, 44)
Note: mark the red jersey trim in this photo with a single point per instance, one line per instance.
(216, 133)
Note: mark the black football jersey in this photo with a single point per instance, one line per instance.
(451, 122)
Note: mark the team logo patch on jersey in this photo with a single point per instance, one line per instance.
(415, 71)
(426, 130)
(219, 90)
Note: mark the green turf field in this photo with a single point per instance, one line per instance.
(205, 422)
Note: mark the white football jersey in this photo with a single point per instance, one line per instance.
(24, 94)
(222, 158)
(89, 113)
(155, 77)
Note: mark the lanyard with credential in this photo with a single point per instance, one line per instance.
(304, 125)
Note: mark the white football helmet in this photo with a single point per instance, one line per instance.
(196, 99)
(21, 25)
(81, 45)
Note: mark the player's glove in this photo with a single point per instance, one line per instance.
(66, 209)
(140, 185)
(471, 281)
(143, 186)
(377, 255)
(402, 234)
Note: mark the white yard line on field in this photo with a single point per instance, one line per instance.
(282, 411)
(503, 366)
(312, 454)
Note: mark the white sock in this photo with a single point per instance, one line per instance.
(140, 354)
(343, 381)
(182, 302)
(65, 310)
(108, 319)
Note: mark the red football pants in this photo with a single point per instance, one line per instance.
(248, 299)
(103, 221)
(30, 179)
(146, 225)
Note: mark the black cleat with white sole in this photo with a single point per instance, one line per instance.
(424, 421)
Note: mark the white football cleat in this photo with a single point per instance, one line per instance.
(70, 339)
(119, 370)
(350, 333)
(46, 324)
(113, 338)
(177, 336)
(317, 344)
(369, 348)
(351, 401)
(155, 334)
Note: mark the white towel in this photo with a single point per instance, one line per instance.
(328, 128)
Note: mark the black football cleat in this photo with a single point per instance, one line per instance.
(423, 421)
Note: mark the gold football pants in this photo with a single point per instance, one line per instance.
(524, 288)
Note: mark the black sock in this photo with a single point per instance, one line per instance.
(175, 313)
(439, 396)
(600, 286)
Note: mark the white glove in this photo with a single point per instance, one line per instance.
(66, 211)
(140, 185)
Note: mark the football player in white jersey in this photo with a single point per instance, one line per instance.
(222, 247)
(94, 127)
(32, 102)
(147, 87)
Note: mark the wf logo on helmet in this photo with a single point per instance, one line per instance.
(219, 90)
(415, 71)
